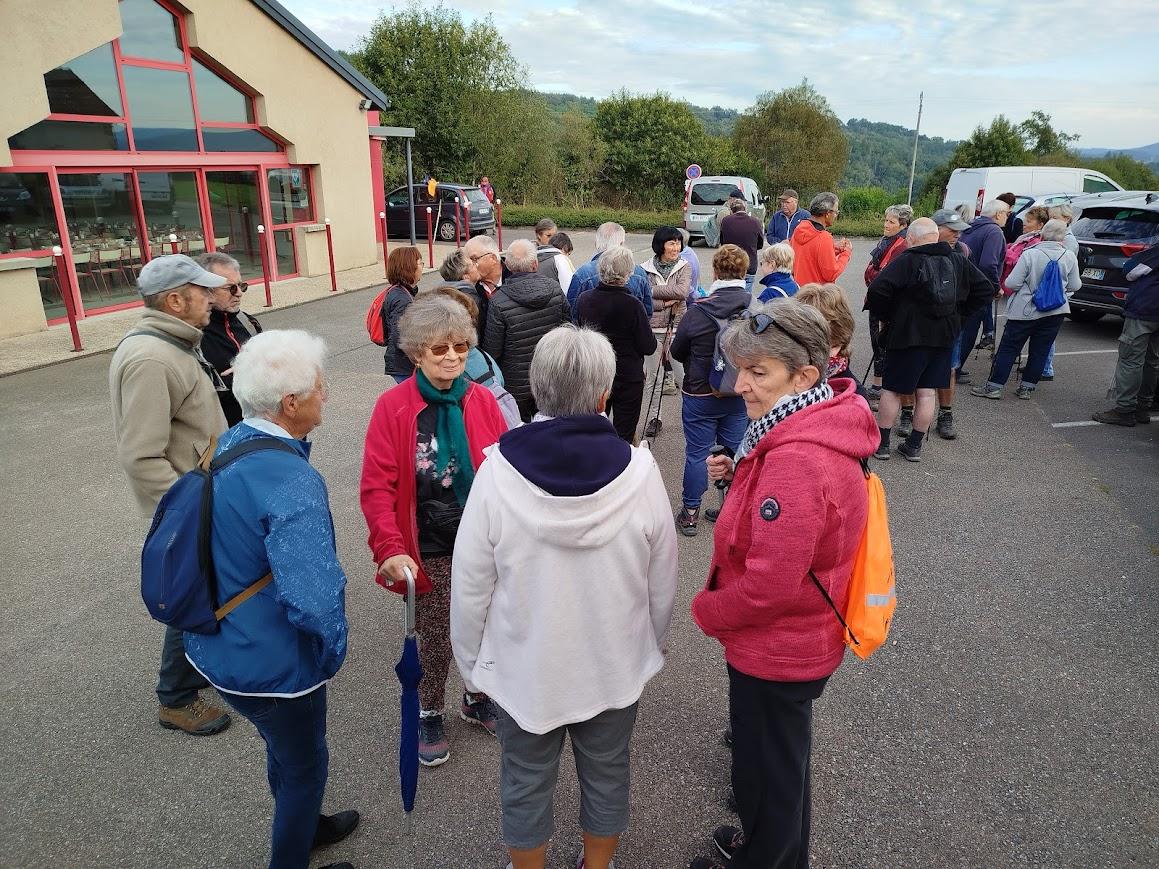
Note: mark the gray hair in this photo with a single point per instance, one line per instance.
(274, 364)
(903, 214)
(609, 235)
(965, 211)
(454, 266)
(522, 256)
(921, 231)
(573, 367)
(993, 207)
(544, 224)
(216, 258)
(822, 204)
(1062, 212)
(780, 256)
(615, 266)
(430, 320)
(481, 243)
(803, 322)
(1055, 230)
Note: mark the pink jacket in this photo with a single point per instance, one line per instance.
(798, 501)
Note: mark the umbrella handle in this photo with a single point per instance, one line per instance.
(408, 612)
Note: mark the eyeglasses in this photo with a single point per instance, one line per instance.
(479, 256)
(760, 322)
(441, 350)
(235, 289)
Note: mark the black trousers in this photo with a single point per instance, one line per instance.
(772, 740)
(624, 407)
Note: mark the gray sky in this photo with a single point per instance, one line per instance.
(1093, 66)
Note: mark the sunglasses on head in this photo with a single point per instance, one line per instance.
(441, 350)
(760, 322)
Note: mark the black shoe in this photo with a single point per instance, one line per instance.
(337, 866)
(905, 423)
(882, 452)
(653, 427)
(686, 521)
(712, 514)
(946, 429)
(964, 378)
(1115, 417)
(987, 343)
(912, 454)
(727, 839)
(334, 828)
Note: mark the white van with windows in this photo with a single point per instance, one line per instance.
(703, 196)
(978, 186)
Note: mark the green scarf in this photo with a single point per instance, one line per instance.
(450, 431)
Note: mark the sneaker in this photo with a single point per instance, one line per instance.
(882, 452)
(912, 454)
(905, 423)
(727, 839)
(985, 390)
(668, 387)
(946, 429)
(1116, 417)
(580, 864)
(686, 521)
(987, 342)
(1024, 392)
(712, 514)
(334, 828)
(197, 719)
(1046, 378)
(704, 863)
(481, 712)
(964, 378)
(433, 746)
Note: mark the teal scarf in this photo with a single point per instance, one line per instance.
(450, 431)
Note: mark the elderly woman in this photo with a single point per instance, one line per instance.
(564, 498)
(1034, 219)
(897, 221)
(425, 440)
(670, 280)
(611, 310)
(775, 272)
(459, 271)
(1024, 322)
(404, 270)
(1066, 214)
(479, 364)
(275, 652)
(792, 522)
(708, 418)
(829, 299)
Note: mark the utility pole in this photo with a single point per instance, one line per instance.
(914, 160)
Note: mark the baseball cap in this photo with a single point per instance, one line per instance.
(169, 272)
(735, 193)
(950, 219)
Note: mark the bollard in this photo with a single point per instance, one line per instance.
(265, 270)
(385, 254)
(499, 220)
(430, 239)
(173, 242)
(66, 294)
(458, 225)
(466, 221)
(330, 250)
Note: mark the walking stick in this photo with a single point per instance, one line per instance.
(653, 425)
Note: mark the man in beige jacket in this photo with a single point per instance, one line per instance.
(165, 411)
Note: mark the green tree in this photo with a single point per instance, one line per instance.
(1131, 173)
(650, 141)
(581, 155)
(513, 138)
(1000, 144)
(1042, 139)
(795, 139)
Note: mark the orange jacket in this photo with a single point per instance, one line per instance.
(816, 262)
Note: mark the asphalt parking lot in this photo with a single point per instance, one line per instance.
(1009, 722)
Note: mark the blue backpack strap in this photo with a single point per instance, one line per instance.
(253, 445)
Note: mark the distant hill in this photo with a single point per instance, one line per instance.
(1148, 154)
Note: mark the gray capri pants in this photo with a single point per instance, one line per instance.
(530, 766)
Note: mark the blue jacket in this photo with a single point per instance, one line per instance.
(586, 278)
(987, 245)
(271, 511)
(774, 281)
(781, 226)
(1142, 270)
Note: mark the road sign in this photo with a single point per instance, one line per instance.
(693, 172)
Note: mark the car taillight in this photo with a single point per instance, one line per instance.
(1132, 249)
(1120, 296)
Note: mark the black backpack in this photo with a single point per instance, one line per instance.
(938, 286)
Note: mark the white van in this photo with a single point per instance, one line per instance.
(977, 186)
(704, 195)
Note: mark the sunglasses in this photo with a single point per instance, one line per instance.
(235, 289)
(441, 350)
(760, 322)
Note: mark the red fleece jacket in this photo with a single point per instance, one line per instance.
(798, 501)
(388, 468)
(815, 261)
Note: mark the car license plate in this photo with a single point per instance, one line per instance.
(484, 210)
(1094, 274)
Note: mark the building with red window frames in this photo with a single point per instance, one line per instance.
(127, 124)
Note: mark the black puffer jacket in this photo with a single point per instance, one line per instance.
(525, 308)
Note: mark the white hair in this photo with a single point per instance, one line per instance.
(609, 235)
(779, 256)
(481, 243)
(921, 231)
(217, 258)
(965, 211)
(274, 364)
(521, 256)
(993, 207)
(1062, 212)
(615, 266)
(571, 370)
(1054, 230)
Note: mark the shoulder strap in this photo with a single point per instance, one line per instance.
(484, 379)
(253, 322)
(169, 339)
(251, 446)
(242, 596)
(833, 606)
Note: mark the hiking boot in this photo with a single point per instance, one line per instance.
(712, 514)
(905, 423)
(1116, 417)
(727, 839)
(433, 746)
(1024, 392)
(668, 387)
(912, 454)
(964, 378)
(1142, 416)
(946, 429)
(987, 342)
(882, 451)
(481, 712)
(686, 521)
(985, 390)
(334, 828)
(197, 719)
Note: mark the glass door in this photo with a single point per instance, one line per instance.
(101, 211)
(169, 203)
(236, 211)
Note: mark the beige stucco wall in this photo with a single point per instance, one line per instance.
(302, 100)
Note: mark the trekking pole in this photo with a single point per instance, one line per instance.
(653, 425)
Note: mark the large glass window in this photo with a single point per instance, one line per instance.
(70, 136)
(290, 195)
(150, 31)
(237, 139)
(101, 212)
(284, 251)
(169, 200)
(236, 210)
(27, 221)
(161, 108)
(85, 86)
(218, 100)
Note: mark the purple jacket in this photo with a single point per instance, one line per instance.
(987, 245)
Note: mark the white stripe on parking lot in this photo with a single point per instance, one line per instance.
(1082, 423)
(1085, 352)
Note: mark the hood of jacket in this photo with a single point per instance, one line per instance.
(844, 425)
(807, 233)
(530, 289)
(783, 280)
(568, 456)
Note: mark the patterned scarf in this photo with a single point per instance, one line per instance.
(664, 269)
(786, 407)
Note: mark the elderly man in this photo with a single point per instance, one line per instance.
(586, 277)
(987, 245)
(818, 257)
(743, 230)
(165, 415)
(922, 295)
(483, 254)
(786, 218)
(229, 326)
(522, 311)
(275, 652)
(950, 228)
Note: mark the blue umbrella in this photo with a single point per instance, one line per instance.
(409, 671)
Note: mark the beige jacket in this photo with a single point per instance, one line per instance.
(165, 408)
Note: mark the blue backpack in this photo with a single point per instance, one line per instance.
(722, 375)
(178, 582)
(1049, 294)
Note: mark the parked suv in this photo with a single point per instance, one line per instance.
(1107, 234)
(704, 195)
(443, 211)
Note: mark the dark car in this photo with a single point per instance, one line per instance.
(443, 211)
(1107, 234)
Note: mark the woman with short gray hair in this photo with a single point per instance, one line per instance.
(896, 224)
(564, 497)
(613, 311)
(784, 547)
